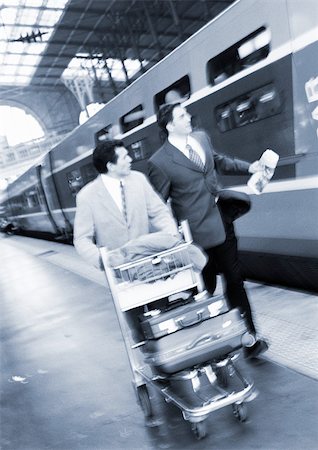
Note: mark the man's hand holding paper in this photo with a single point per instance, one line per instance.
(264, 169)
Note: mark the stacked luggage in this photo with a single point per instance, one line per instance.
(190, 343)
(199, 330)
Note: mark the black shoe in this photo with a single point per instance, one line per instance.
(259, 347)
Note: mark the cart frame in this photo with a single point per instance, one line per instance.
(217, 372)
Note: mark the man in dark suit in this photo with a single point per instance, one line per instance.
(185, 170)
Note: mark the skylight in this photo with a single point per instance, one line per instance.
(26, 27)
(81, 66)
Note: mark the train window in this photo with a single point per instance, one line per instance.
(248, 108)
(244, 111)
(176, 92)
(20, 204)
(225, 118)
(246, 52)
(103, 135)
(137, 151)
(132, 119)
(88, 173)
(10, 157)
(31, 199)
(16, 204)
(75, 181)
(269, 102)
(23, 153)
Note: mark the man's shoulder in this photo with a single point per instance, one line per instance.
(89, 188)
(159, 154)
(137, 174)
(200, 134)
(203, 138)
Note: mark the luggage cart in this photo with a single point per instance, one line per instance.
(197, 390)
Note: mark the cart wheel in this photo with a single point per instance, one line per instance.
(240, 411)
(199, 429)
(222, 376)
(144, 400)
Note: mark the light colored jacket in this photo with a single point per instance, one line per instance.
(99, 222)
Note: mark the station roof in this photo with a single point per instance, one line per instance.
(112, 40)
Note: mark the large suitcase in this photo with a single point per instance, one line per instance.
(210, 340)
(157, 323)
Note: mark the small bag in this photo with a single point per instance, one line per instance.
(156, 323)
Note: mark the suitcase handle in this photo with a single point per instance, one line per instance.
(184, 324)
(202, 340)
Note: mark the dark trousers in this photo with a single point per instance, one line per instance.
(224, 259)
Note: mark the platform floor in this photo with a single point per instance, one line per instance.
(66, 381)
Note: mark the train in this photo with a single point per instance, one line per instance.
(250, 79)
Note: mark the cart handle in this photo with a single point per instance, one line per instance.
(184, 324)
(202, 340)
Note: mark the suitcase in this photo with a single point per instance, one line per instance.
(156, 323)
(210, 340)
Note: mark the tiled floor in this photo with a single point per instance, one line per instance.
(65, 380)
(287, 319)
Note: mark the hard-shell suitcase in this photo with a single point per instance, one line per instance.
(157, 323)
(211, 339)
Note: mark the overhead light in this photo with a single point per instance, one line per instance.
(252, 45)
(262, 39)
(82, 55)
(246, 49)
(268, 97)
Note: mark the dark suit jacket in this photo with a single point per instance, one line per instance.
(193, 192)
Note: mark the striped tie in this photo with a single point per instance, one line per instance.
(123, 200)
(195, 158)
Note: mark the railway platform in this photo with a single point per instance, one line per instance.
(66, 381)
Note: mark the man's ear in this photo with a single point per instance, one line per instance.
(169, 127)
(109, 166)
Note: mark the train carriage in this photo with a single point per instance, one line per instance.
(250, 78)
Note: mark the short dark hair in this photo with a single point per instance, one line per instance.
(104, 153)
(165, 115)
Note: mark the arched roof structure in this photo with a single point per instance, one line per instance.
(97, 32)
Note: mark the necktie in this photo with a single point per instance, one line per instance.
(123, 200)
(195, 158)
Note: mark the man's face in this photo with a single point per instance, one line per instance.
(122, 167)
(181, 122)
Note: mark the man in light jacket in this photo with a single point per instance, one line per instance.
(116, 207)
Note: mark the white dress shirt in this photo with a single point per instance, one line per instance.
(113, 187)
(181, 145)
